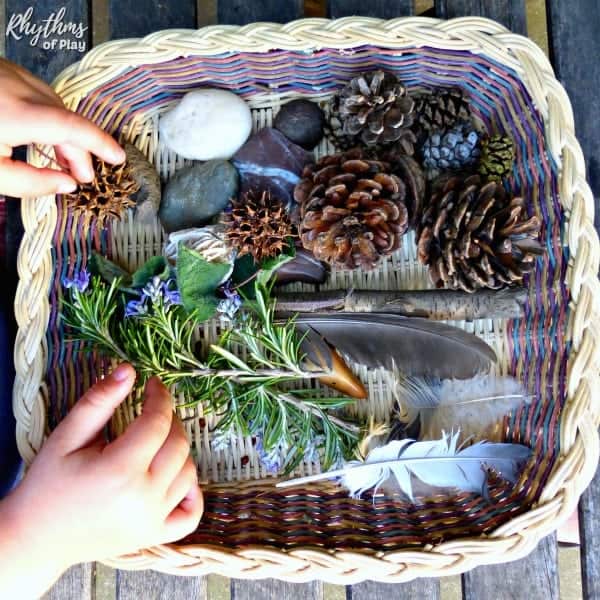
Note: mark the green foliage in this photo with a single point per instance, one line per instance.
(245, 377)
(108, 270)
(197, 280)
(157, 266)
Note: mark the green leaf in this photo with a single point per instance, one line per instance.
(157, 266)
(270, 265)
(108, 270)
(244, 270)
(197, 280)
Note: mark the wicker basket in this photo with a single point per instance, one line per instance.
(250, 529)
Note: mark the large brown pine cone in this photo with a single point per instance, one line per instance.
(375, 109)
(352, 211)
(474, 235)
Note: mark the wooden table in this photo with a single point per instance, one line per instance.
(574, 46)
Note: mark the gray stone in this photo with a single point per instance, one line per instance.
(196, 194)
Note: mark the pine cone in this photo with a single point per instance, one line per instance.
(352, 210)
(497, 157)
(258, 225)
(473, 235)
(410, 172)
(450, 150)
(109, 195)
(374, 108)
(440, 110)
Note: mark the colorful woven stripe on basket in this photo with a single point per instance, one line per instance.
(533, 348)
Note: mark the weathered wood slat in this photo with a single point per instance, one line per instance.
(150, 585)
(242, 12)
(511, 13)
(135, 18)
(589, 531)
(574, 50)
(52, 51)
(75, 584)
(534, 577)
(417, 590)
(272, 589)
(383, 9)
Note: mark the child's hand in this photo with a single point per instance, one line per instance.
(84, 499)
(31, 112)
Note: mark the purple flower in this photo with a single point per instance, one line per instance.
(172, 296)
(153, 290)
(270, 460)
(80, 281)
(229, 306)
(136, 308)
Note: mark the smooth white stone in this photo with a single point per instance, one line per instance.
(206, 124)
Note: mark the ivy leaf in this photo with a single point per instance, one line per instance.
(157, 266)
(197, 280)
(108, 270)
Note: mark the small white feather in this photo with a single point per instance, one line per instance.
(437, 463)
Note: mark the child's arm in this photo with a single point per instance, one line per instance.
(31, 112)
(84, 499)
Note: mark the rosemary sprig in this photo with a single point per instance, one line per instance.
(245, 377)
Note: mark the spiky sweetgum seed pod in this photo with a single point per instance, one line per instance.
(108, 196)
(258, 225)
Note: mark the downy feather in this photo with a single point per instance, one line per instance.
(437, 464)
(416, 346)
(476, 406)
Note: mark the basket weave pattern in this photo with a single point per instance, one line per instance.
(249, 530)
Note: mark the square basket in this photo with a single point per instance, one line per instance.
(251, 529)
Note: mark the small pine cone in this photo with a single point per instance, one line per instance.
(440, 110)
(497, 157)
(352, 210)
(373, 109)
(450, 150)
(109, 195)
(473, 235)
(258, 225)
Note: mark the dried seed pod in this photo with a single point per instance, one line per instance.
(258, 225)
(109, 195)
(474, 235)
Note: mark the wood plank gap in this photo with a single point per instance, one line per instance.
(511, 13)
(206, 12)
(100, 26)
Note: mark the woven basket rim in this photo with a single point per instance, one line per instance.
(579, 444)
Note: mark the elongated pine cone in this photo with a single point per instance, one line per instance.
(474, 235)
(258, 225)
(374, 108)
(440, 110)
(352, 210)
(108, 196)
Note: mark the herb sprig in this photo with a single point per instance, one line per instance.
(246, 377)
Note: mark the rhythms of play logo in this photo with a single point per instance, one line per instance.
(52, 33)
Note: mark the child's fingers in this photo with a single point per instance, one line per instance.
(185, 518)
(173, 454)
(78, 161)
(186, 479)
(56, 126)
(24, 181)
(145, 436)
(87, 418)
